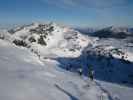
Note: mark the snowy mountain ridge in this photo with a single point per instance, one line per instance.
(55, 46)
(108, 32)
(38, 37)
(57, 40)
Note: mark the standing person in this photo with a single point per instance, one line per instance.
(80, 71)
(68, 67)
(91, 73)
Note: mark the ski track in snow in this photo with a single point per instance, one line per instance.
(105, 92)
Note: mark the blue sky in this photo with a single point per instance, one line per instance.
(72, 12)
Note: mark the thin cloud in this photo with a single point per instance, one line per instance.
(87, 3)
(61, 3)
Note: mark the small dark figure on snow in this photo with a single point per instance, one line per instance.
(68, 67)
(91, 73)
(80, 71)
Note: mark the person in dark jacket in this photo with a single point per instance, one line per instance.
(91, 73)
(80, 71)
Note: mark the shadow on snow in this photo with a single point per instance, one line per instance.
(117, 71)
(67, 93)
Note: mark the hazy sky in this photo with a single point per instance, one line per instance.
(71, 12)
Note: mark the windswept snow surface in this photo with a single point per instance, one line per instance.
(24, 77)
(116, 91)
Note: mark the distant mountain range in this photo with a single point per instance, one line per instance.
(108, 32)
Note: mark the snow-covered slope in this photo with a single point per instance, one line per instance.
(24, 77)
(33, 59)
(51, 37)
